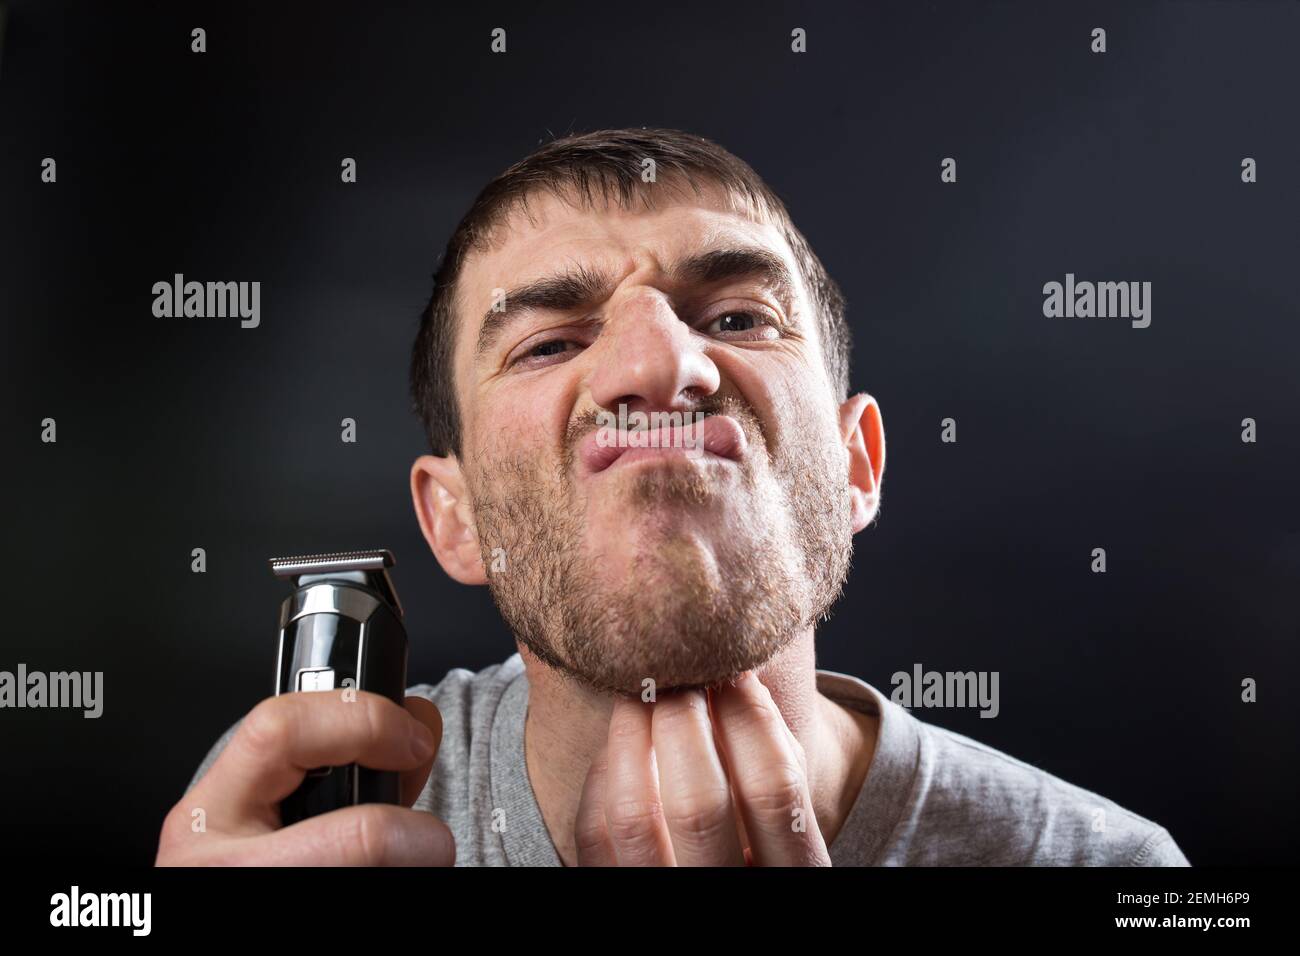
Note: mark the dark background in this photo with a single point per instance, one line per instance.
(1073, 434)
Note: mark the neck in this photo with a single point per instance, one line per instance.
(568, 723)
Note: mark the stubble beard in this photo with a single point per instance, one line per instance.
(695, 610)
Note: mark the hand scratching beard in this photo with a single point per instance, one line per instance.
(694, 610)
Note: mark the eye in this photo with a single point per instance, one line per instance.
(554, 347)
(549, 352)
(743, 324)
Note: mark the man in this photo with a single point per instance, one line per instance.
(633, 374)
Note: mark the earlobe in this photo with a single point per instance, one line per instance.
(863, 434)
(441, 502)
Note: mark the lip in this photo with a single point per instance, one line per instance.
(721, 435)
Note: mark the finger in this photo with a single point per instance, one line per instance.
(285, 736)
(715, 723)
(589, 831)
(373, 834)
(413, 781)
(634, 816)
(692, 784)
(767, 777)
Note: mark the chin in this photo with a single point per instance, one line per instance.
(676, 561)
(675, 621)
(709, 654)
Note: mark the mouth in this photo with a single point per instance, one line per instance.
(718, 438)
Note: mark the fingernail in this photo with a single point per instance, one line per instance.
(421, 742)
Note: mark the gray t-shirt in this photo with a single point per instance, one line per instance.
(931, 797)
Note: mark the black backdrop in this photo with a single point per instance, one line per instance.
(1073, 434)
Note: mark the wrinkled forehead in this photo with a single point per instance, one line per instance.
(554, 230)
(632, 197)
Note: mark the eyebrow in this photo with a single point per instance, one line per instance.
(580, 287)
(739, 262)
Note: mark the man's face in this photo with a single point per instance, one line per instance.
(684, 565)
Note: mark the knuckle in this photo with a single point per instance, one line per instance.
(267, 726)
(758, 712)
(372, 718)
(630, 821)
(589, 832)
(778, 790)
(701, 817)
(365, 836)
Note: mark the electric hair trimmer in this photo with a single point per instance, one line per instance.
(341, 628)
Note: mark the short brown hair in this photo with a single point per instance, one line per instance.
(603, 165)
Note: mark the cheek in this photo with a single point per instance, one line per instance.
(523, 421)
(791, 400)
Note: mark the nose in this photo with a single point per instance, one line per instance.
(648, 359)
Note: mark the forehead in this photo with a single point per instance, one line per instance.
(551, 233)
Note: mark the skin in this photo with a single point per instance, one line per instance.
(232, 816)
(739, 759)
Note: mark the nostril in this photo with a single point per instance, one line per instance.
(629, 402)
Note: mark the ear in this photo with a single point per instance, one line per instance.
(863, 435)
(446, 518)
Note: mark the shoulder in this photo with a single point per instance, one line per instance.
(482, 719)
(470, 703)
(934, 797)
(462, 693)
(983, 806)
